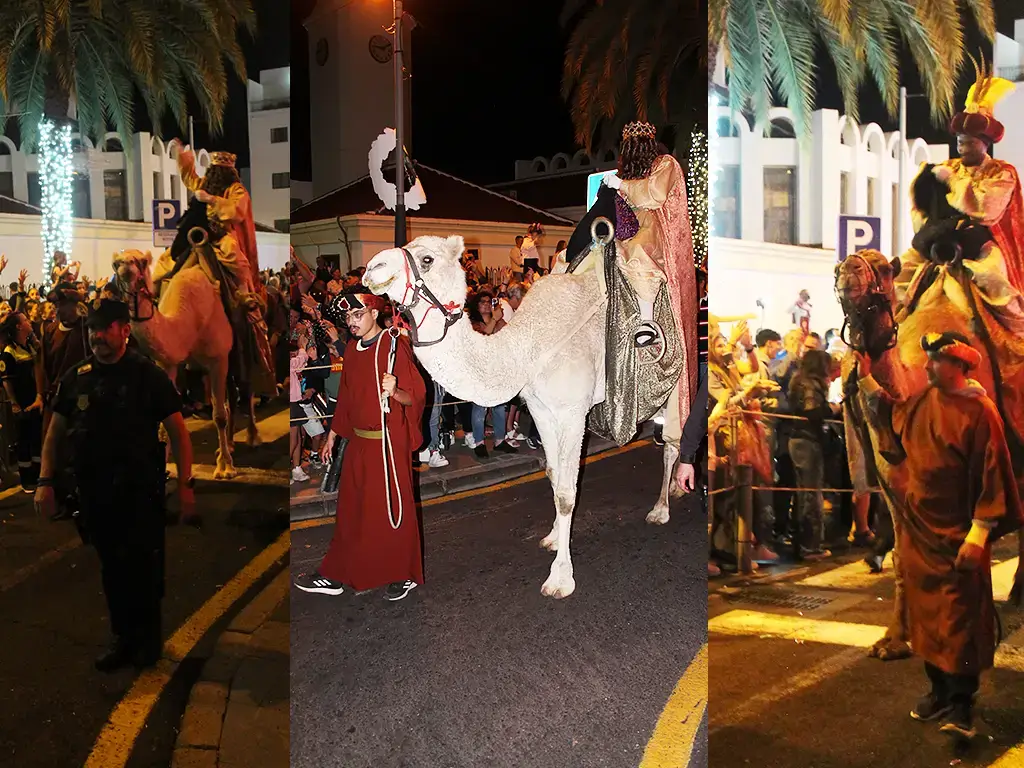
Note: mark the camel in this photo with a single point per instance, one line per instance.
(552, 353)
(938, 294)
(189, 325)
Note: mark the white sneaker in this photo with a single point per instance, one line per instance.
(517, 436)
(470, 442)
(299, 476)
(425, 455)
(513, 439)
(437, 460)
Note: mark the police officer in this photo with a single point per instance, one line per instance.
(109, 410)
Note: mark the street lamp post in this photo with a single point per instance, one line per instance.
(400, 230)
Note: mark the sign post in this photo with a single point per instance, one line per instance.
(594, 186)
(166, 215)
(857, 233)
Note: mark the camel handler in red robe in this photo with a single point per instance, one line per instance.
(380, 407)
(982, 187)
(961, 496)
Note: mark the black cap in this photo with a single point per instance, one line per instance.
(104, 312)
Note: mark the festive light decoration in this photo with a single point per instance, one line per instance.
(713, 164)
(55, 174)
(697, 195)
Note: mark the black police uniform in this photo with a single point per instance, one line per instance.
(17, 366)
(114, 414)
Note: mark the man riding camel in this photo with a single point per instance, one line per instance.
(982, 187)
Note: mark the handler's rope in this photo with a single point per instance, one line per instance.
(385, 444)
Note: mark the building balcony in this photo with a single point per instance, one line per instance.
(1014, 74)
(269, 104)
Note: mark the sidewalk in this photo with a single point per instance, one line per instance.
(465, 472)
(237, 713)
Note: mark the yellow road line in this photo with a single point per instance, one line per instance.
(850, 576)
(1012, 759)
(671, 746)
(114, 745)
(245, 476)
(271, 428)
(11, 492)
(1002, 580)
(774, 625)
(533, 476)
(41, 562)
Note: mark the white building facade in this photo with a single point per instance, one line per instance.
(776, 205)
(109, 184)
(1008, 62)
(268, 177)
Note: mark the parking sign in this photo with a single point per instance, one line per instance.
(594, 185)
(857, 233)
(166, 215)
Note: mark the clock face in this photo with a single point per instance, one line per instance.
(381, 49)
(321, 51)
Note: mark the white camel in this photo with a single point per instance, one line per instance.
(189, 325)
(552, 353)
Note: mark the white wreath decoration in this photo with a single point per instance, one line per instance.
(383, 146)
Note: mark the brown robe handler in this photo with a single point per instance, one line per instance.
(960, 487)
(366, 552)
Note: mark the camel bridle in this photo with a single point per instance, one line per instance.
(420, 291)
(141, 291)
(877, 302)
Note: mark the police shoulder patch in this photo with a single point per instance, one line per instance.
(3, 366)
(84, 369)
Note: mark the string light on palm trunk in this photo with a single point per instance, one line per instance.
(56, 170)
(697, 194)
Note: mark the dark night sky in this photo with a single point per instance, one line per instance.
(500, 63)
(919, 123)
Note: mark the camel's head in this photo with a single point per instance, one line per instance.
(865, 287)
(393, 273)
(131, 267)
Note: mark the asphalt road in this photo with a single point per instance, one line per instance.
(476, 668)
(53, 704)
(792, 686)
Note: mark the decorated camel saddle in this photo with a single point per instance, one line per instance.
(644, 357)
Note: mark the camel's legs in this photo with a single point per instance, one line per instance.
(560, 582)
(253, 432)
(543, 418)
(659, 515)
(221, 409)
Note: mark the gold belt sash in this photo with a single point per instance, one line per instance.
(367, 434)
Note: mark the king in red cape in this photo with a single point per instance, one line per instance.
(377, 534)
(982, 187)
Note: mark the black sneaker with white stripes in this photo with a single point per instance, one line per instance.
(314, 582)
(399, 590)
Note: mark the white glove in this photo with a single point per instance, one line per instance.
(506, 310)
(611, 180)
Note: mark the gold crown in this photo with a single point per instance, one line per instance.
(634, 130)
(223, 158)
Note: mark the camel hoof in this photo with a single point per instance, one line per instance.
(224, 472)
(560, 583)
(550, 543)
(888, 649)
(658, 515)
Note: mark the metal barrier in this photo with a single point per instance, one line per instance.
(742, 478)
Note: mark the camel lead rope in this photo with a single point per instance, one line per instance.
(385, 443)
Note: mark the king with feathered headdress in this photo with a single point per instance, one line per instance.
(982, 187)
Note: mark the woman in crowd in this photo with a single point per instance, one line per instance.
(808, 399)
(481, 308)
(17, 370)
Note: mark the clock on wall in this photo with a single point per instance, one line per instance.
(321, 51)
(381, 49)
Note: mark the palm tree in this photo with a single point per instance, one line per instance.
(634, 60)
(775, 45)
(82, 61)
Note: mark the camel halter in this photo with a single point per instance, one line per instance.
(385, 444)
(414, 282)
(142, 290)
(877, 300)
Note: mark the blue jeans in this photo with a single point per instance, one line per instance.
(498, 419)
(435, 418)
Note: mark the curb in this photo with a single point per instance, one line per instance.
(495, 471)
(219, 727)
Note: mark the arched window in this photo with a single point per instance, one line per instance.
(112, 145)
(781, 129)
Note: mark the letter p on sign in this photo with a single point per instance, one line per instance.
(166, 213)
(857, 233)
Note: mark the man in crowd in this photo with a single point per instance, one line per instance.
(109, 411)
(376, 537)
(961, 494)
(515, 258)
